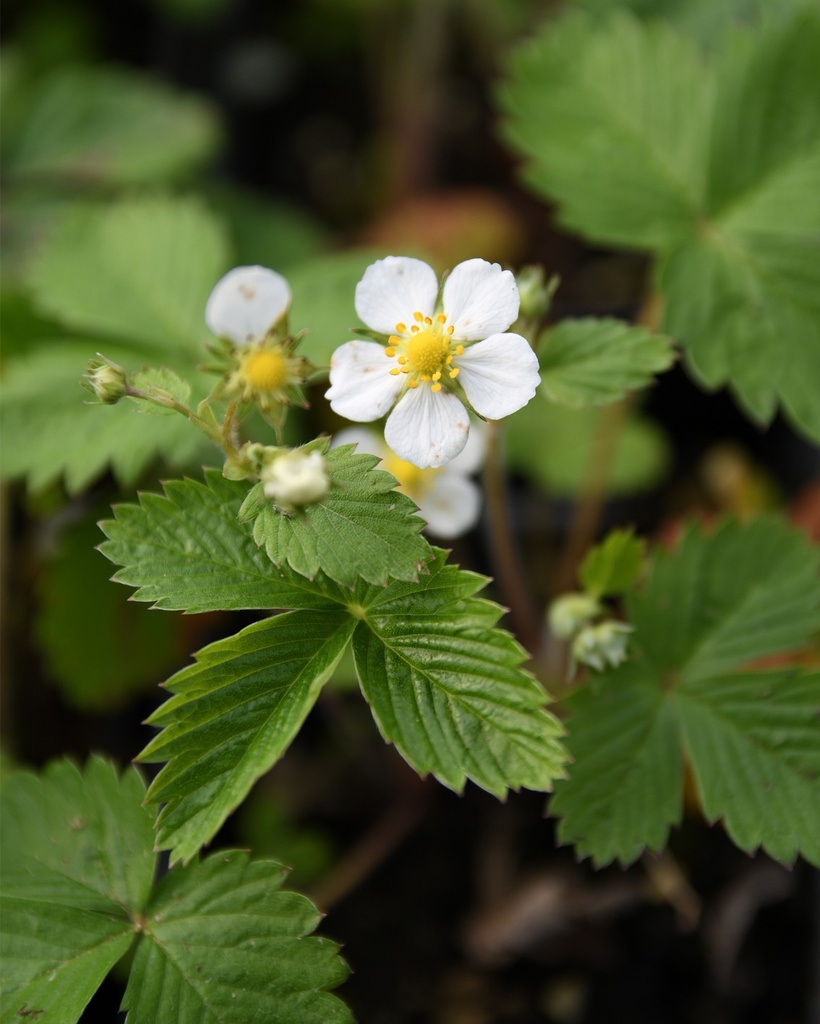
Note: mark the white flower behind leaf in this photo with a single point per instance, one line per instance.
(247, 303)
(437, 357)
(448, 500)
(296, 479)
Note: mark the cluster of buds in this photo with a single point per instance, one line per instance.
(597, 644)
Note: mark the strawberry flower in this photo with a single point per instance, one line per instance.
(439, 356)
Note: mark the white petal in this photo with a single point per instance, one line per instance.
(392, 290)
(480, 299)
(452, 505)
(246, 303)
(471, 457)
(499, 375)
(361, 387)
(368, 441)
(427, 428)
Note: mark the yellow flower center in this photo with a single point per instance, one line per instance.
(424, 351)
(264, 370)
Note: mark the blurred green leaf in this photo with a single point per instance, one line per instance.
(707, 612)
(552, 445)
(592, 362)
(95, 126)
(103, 649)
(613, 566)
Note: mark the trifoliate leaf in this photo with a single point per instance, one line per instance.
(613, 123)
(92, 126)
(708, 611)
(363, 529)
(139, 270)
(187, 551)
(233, 715)
(613, 567)
(552, 445)
(104, 649)
(77, 867)
(51, 430)
(447, 688)
(223, 945)
(592, 362)
(216, 942)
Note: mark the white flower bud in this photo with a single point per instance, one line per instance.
(602, 645)
(571, 612)
(296, 479)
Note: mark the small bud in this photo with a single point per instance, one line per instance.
(571, 612)
(296, 479)
(602, 645)
(535, 294)
(105, 380)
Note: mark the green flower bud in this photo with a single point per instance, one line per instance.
(602, 645)
(105, 380)
(571, 612)
(535, 293)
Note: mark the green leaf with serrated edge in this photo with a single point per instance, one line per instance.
(707, 611)
(104, 649)
(752, 740)
(51, 429)
(613, 124)
(160, 379)
(613, 567)
(592, 362)
(77, 868)
(626, 772)
(187, 551)
(447, 689)
(108, 126)
(224, 945)
(138, 269)
(233, 714)
(552, 446)
(363, 529)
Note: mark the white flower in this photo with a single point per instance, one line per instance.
(247, 303)
(433, 354)
(447, 499)
(296, 479)
(603, 644)
(571, 612)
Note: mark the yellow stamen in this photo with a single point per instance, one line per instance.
(390, 351)
(412, 383)
(395, 371)
(418, 317)
(450, 329)
(402, 360)
(435, 387)
(428, 321)
(454, 373)
(437, 375)
(414, 329)
(264, 370)
(401, 328)
(442, 319)
(394, 339)
(459, 350)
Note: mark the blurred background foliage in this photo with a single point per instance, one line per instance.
(149, 145)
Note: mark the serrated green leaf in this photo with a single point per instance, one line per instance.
(187, 551)
(552, 446)
(138, 269)
(626, 770)
(164, 380)
(76, 867)
(51, 431)
(103, 649)
(93, 126)
(613, 567)
(363, 529)
(233, 714)
(447, 688)
(614, 125)
(707, 612)
(592, 362)
(223, 945)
